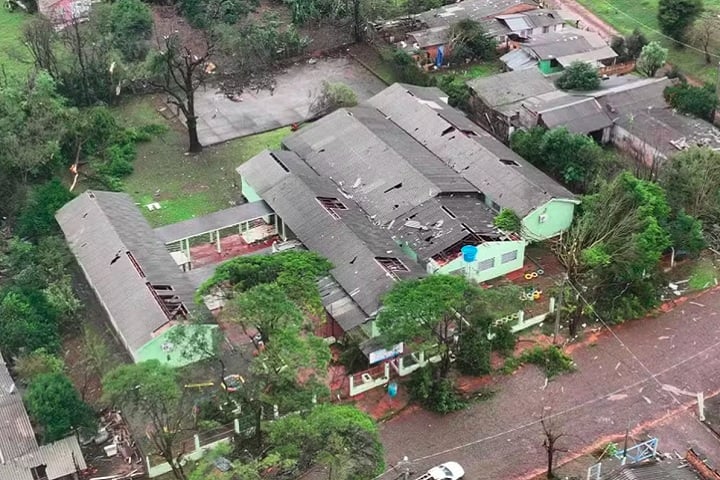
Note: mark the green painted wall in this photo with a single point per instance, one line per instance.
(547, 67)
(153, 350)
(248, 191)
(548, 220)
(490, 251)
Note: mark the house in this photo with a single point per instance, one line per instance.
(63, 12)
(426, 35)
(136, 280)
(627, 111)
(553, 52)
(21, 458)
(394, 188)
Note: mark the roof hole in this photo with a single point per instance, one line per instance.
(449, 129)
(511, 163)
(394, 187)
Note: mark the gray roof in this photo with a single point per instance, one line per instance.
(473, 9)
(214, 221)
(654, 470)
(351, 241)
(17, 437)
(443, 222)
(430, 36)
(506, 91)
(641, 109)
(578, 115)
(519, 59)
(340, 305)
(19, 449)
(490, 166)
(376, 163)
(568, 41)
(593, 56)
(106, 232)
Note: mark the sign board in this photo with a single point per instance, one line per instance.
(383, 354)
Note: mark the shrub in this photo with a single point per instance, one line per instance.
(37, 219)
(508, 221)
(131, 24)
(406, 68)
(457, 90)
(551, 358)
(503, 339)
(435, 395)
(579, 76)
(698, 101)
(333, 96)
(473, 354)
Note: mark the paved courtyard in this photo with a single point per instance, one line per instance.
(642, 379)
(222, 119)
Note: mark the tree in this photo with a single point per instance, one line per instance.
(266, 308)
(151, 389)
(675, 16)
(508, 221)
(130, 24)
(703, 32)
(614, 246)
(36, 363)
(179, 71)
(26, 323)
(332, 96)
(691, 179)
(652, 58)
(579, 76)
(424, 311)
(341, 437)
(628, 48)
(55, 404)
(686, 233)
(38, 217)
(698, 101)
(551, 436)
(468, 40)
(573, 158)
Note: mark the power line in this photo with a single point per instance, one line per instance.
(657, 31)
(651, 377)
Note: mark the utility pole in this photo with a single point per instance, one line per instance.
(558, 308)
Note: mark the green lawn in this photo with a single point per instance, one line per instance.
(186, 186)
(14, 58)
(626, 15)
(476, 71)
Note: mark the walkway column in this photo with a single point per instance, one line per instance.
(217, 241)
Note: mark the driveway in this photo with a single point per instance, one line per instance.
(221, 119)
(640, 378)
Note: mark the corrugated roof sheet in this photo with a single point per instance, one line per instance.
(101, 228)
(654, 470)
(519, 59)
(582, 115)
(17, 437)
(506, 91)
(473, 9)
(214, 221)
(593, 56)
(491, 167)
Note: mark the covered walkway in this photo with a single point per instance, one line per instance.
(245, 227)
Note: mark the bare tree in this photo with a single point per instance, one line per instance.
(552, 435)
(703, 32)
(179, 71)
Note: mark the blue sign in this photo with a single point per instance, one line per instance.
(469, 253)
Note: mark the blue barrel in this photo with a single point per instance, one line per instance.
(392, 389)
(469, 253)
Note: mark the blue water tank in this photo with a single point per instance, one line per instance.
(469, 253)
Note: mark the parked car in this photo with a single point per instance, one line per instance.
(444, 471)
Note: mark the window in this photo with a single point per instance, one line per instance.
(331, 204)
(542, 218)
(485, 264)
(391, 264)
(511, 163)
(39, 472)
(509, 256)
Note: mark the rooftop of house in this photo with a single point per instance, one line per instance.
(19, 449)
(327, 221)
(126, 264)
(403, 167)
(654, 470)
(490, 166)
(473, 9)
(506, 91)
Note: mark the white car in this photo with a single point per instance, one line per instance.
(445, 471)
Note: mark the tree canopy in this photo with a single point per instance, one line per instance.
(470, 41)
(652, 58)
(55, 404)
(698, 101)
(629, 47)
(675, 16)
(579, 76)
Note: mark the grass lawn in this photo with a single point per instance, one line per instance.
(703, 275)
(186, 186)
(626, 15)
(475, 71)
(14, 58)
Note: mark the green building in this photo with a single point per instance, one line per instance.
(134, 277)
(394, 188)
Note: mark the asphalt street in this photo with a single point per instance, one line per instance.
(643, 376)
